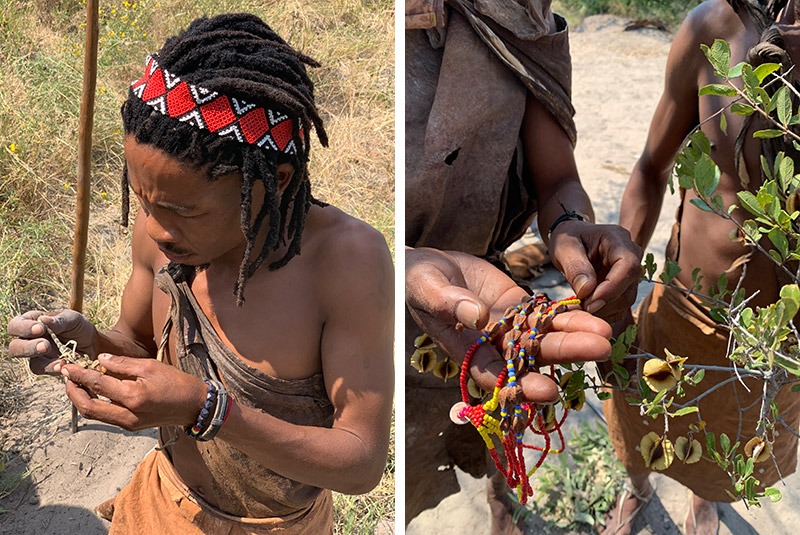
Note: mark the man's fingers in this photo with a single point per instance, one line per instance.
(430, 290)
(123, 367)
(569, 256)
(561, 347)
(578, 321)
(26, 325)
(40, 347)
(92, 408)
(620, 283)
(100, 384)
(44, 365)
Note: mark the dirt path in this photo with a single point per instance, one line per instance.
(617, 80)
(70, 473)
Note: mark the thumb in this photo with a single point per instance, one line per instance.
(571, 260)
(435, 295)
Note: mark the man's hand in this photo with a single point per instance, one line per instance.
(143, 392)
(446, 288)
(31, 340)
(602, 265)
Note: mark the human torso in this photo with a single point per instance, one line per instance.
(276, 334)
(705, 239)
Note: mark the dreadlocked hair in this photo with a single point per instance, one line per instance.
(240, 56)
(769, 49)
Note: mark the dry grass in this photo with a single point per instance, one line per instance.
(40, 81)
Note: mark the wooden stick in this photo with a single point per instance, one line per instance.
(85, 122)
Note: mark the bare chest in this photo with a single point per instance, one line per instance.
(277, 331)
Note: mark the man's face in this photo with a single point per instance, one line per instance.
(193, 220)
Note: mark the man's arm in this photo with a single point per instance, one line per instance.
(357, 348)
(599, 261)
(675, 116)
(133, 335)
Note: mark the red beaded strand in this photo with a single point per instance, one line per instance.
(520, 347)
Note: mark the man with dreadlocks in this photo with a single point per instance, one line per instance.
(667, 317)
(272, 376)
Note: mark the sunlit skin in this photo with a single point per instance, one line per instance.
(328, 310)
(705, 238)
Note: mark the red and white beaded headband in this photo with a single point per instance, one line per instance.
(217, 113)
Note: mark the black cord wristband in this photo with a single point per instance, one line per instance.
(566, 216)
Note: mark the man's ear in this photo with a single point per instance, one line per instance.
(285, 173)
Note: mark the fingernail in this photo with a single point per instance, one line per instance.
(41, 347)
(594, 306)
(65, 372)
(57, 367)
(104, 356)
(468, 313)
(37, 329)
(579, 282)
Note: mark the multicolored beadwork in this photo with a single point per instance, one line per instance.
(516, 336)
(219, 114)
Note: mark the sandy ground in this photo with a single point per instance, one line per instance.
(617, 80)
(70, 473)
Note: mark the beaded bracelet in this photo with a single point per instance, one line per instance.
(221, 412)
(516, 336)
(202, 419)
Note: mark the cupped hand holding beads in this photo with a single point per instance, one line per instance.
(453, 295)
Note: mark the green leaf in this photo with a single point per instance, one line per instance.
(779, 240)
(765, 167)
(685, 410)
(698, 376)
(723, 123)
(740, 108)
(671, 270)
(769, 133)
(602, 396)
(700, 203)
(724, 442)
(736, 70)
(773, 494)
(749, 202)
(750, 80)
(796, 387)
(649, 266)
(783, 104)
(720, 90)
(764, 70)
(790, 296)
(719, 55)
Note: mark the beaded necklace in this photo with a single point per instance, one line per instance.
(516, 336)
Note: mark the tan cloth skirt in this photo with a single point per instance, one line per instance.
(157, 501)
(667, 319)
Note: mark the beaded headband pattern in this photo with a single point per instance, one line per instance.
(219, 114)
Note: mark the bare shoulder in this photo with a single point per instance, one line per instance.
(712, 18)
(686, 64)
(345, 249)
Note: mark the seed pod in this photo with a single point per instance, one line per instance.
(548, 413)
(688, 451)
(576, 403)
(657, 451)
(424, 341)
(423, 360)
(793, 201)
(758, 449)
(474, 390)
(446, 369)
(658, 375)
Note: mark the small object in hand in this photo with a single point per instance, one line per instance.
(68, 351)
